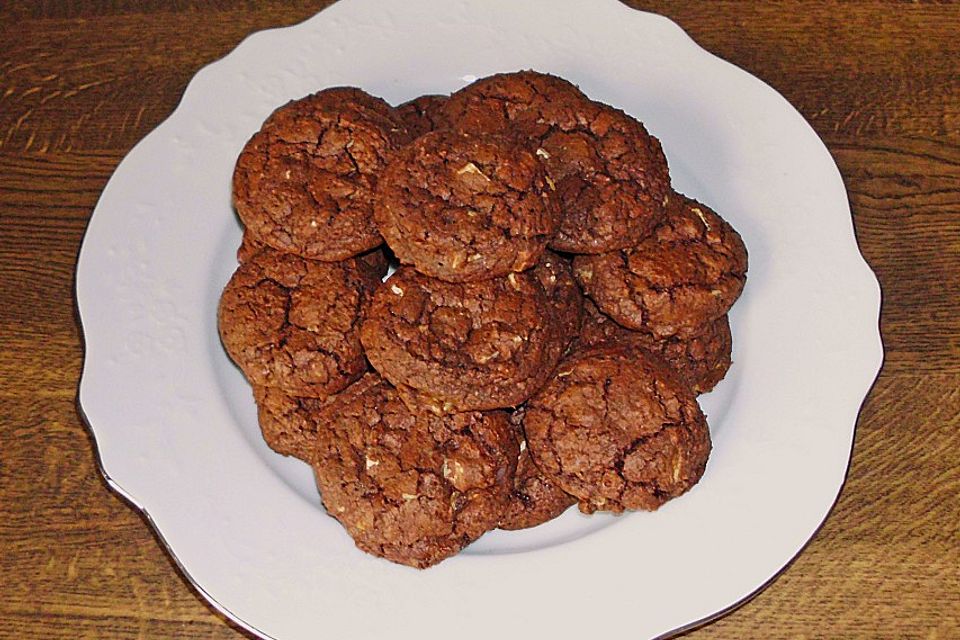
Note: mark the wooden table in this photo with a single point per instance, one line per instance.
(81, 81)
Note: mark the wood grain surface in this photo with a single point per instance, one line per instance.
(81, 81)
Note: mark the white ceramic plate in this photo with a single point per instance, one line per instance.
(175, 423)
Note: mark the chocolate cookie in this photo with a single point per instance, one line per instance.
(289, 423)
(687, 275)
(423, 115)
(702, 359)
(475, 345)
(463, 208)
(409, 486)
(618, 429)
(293, 323)
(528, 103)
(304, 183)
(555, 275)
(534, 499)
(611, 175)
(612, 181)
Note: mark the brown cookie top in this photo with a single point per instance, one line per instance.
(611, 175)
(528, 103)
(304, 183)
(423, 115)
(463, 208)
(687, 275)
(474, 345)
(410, 486)
(555, 275)
(702, 359)
(293, 323)
(534, 499)
(618, 429)
(289, 423)
(612, 180)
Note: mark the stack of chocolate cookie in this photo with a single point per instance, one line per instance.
(476, 388)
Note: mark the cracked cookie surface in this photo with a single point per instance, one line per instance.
(702, 359)
(534, 499)
(293, 323)
(423, 114)
(610, 174)
(555, 275)
(304, 183)
(289, 423)
(612, 179)
(410, 486)
(462, 208)
(473, 345)
(527, 103)
(685, 276)
(618, 429)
